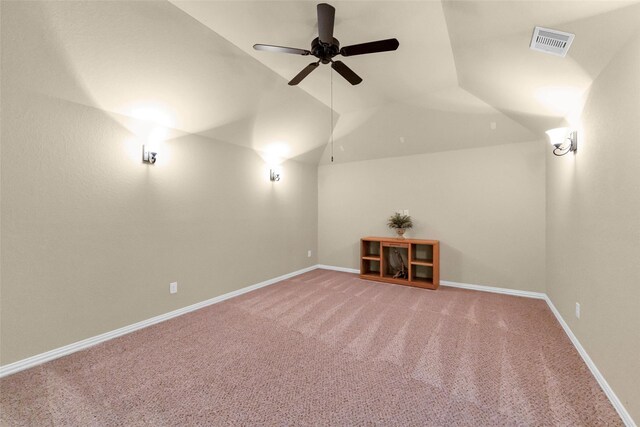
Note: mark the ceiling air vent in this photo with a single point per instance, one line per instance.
(551, 41)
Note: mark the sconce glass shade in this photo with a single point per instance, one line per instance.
(557, 136)
(563, 140)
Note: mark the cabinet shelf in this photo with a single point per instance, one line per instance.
(414, 262)
(423, 280)
(370, 275)
(425, 262)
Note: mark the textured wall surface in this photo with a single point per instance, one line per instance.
(486, 205)
(92, 237)
(593, 227)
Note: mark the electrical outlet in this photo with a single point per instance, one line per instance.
(406, 212)
(173, 287)
(578, 310)
(309, 253)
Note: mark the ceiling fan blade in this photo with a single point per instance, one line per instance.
(346, 72)
(326, 17)
(370, 47)
(281, 49)
(304, 73)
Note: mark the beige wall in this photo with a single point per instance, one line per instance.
(486, 205)
(593, 227)
(91, 237)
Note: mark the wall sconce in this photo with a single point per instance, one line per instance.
(148, 156)
(274, 175)
(564, 140)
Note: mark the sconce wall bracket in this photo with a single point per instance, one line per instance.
(148, 156)
(274, 175)
(569, 144)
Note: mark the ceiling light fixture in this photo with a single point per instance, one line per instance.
(564, 140)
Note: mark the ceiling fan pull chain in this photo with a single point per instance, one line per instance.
(331, 79)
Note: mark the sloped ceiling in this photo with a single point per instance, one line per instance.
(462, 77)
(420, 27)
(489, 41)
(152, 67)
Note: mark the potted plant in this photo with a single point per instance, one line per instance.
(400, 223)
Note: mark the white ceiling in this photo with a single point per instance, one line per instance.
(422, 64)
(462, 77)
(152, 67)
(490, 40)
(459, 62)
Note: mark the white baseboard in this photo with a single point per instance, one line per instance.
(334, 268)
(617, 404)
(527, 294)
(89, 342)
(38, 359)
(495, 290)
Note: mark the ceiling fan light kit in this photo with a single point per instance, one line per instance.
(325, 47)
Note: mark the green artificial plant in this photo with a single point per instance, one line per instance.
(398, 220)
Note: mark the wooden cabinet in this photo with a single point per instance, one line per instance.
(411, 262)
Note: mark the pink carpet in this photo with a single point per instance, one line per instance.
(325, 348)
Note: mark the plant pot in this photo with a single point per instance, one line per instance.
(401, 232)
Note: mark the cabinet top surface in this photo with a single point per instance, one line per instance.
(401, 240)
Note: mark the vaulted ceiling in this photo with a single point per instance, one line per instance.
(463, 76)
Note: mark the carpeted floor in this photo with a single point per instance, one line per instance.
(325, 348)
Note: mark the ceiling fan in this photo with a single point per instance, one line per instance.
(325, 47)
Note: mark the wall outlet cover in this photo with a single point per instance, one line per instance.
(173, 287)
(578, 310)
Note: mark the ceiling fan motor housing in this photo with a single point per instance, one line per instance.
(324, 52)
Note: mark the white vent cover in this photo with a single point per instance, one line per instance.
(551, 41)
